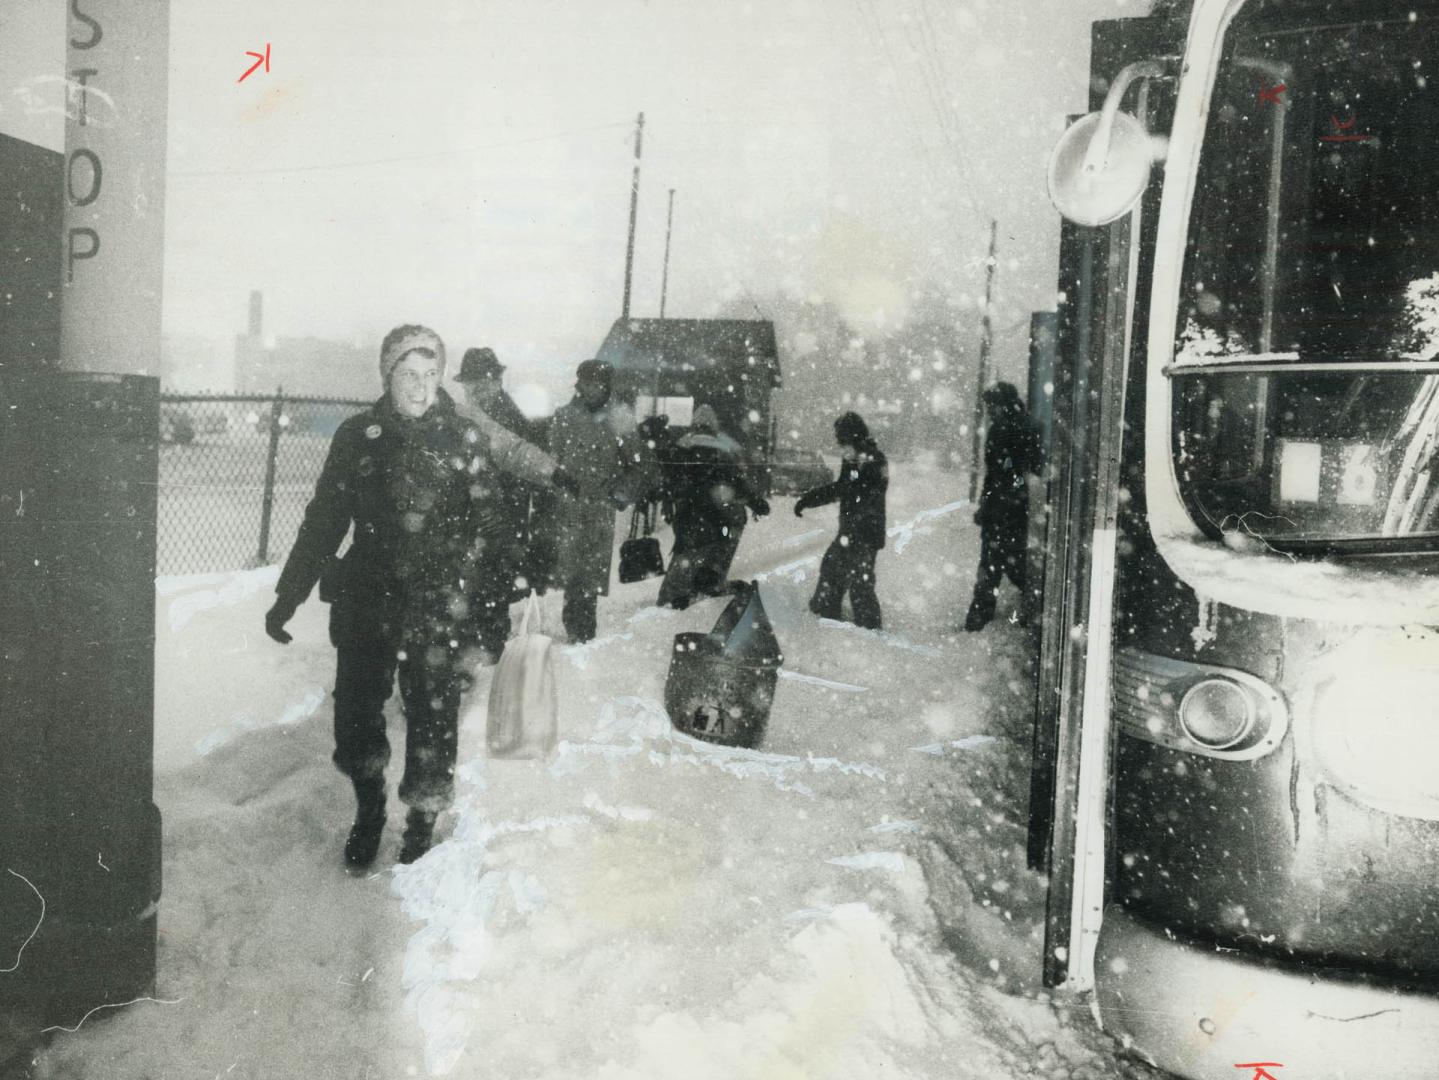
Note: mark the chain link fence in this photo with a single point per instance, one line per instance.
(236, 474)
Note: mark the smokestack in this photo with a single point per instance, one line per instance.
(257, 309)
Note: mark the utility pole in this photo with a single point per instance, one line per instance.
(634, 208)
(665, 277)
(976, 459)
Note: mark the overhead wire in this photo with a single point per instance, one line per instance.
(934, 79)
(925, 153)
(401, 158)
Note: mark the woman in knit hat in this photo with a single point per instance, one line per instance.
(411, 477)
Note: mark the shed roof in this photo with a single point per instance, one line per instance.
(640, 348)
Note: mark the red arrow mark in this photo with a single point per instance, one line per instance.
(1271, 93)
(1340, 126)
(260, 58)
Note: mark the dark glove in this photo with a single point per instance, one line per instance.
(276, 618)
(979, 517)
(564, 481)
(799, 509)
(760, 507)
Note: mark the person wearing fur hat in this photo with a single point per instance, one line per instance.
(411, 477)
(710, 495)
(596, 442)
(848, 564)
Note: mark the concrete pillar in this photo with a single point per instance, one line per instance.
(117, 63)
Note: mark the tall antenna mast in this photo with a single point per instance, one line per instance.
(634, 208)
(665, 277)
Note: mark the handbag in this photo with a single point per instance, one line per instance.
(523, 716)
(640, 556)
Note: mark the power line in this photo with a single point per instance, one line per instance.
(394, 160)
(925, 154)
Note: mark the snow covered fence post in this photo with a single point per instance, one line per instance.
(267, 506)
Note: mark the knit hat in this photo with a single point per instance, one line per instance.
(404, 339)
(1003, 394)
(595, 371)
(851, 430)
(705, 418)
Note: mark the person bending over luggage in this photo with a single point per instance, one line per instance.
(710, 497)
(411, 477)
(1011, 451)
(848, 564)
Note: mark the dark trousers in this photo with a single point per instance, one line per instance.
(430, 698)
(580, 612)
(847, 569)
(1001, 555)
(489, 621)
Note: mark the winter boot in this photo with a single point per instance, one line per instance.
(364, 841)
(977, 619)
(419, 834)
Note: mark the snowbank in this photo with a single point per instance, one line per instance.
(848, 901)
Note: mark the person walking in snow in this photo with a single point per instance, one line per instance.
(412, 478)
(595, 441)
(1011, 452)
(711, 499)
(848, 563)
(505, 529)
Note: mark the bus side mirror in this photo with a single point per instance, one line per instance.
(1099, 170)
(1100, 166)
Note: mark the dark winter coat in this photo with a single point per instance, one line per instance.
(503, 411)
(860, 491)
(708, 489)
(505, 521)
(599, 448)
(1011, 452)
(413, 490)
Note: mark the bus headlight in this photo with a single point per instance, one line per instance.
(1216, 713)
(1375, 735)
(1220, 712)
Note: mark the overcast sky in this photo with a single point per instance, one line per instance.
(466, 163)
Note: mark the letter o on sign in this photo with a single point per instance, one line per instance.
(95, 177)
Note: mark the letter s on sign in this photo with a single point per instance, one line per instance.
(95, 32)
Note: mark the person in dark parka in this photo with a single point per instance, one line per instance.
(848, 564)
(506, 530)
(710, 495)
(408, 474)
(595, 440)
(1011, 452)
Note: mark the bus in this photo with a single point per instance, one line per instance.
(1235, 787)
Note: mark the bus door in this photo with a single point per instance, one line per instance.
(1102, 292)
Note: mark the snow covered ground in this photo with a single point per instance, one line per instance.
(851, 901)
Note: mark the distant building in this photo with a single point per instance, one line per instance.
(194, 364)
(302, 366)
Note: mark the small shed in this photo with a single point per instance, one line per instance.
(674, 365)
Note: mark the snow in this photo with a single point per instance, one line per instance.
(850, 900)
(1257, 579)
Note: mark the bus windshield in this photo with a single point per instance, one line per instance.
(1306, 372)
